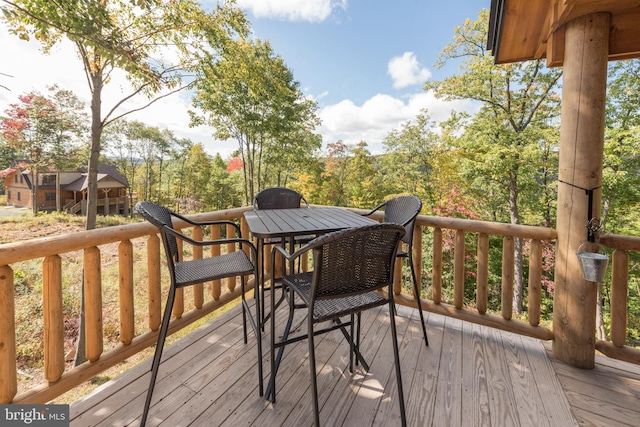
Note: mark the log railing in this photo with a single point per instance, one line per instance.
(57, 381)
(482, 230)
(617, 348)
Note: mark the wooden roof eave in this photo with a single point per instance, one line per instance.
(521, 30)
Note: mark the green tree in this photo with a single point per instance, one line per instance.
(408, 165)
(153, 42)
(502, 144)
(249, 95)
(621, 181)
(197, 178)
(43, 132)
(363, 190)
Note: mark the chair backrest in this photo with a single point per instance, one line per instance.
(355, 260)
(278, 198)
(160, 217)
(403, 210)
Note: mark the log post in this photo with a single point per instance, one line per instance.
(580, 168)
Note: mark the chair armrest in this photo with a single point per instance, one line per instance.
(204, 223)
(374, 209)
(213, 242)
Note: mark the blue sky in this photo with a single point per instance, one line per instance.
(364, 62)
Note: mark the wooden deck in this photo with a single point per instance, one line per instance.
(469, 375)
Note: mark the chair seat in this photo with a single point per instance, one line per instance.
(206, 269)
(326, 309)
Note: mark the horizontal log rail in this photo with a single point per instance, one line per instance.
(57, 381)
(482, 229)
(616, 348)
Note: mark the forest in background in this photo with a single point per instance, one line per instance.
(498, 165)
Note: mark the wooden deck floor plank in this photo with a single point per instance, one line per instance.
(170, 379)
(474, 371)
(337, 387)
(171, 371)
(502, 405)
(616, 414)
(412, 360)
(449, 380)
(609, 387)
(214, 380)
(523, 381)
(423, 389)
(225, 325)
(556, 405)
(590, 419)
(377, 396)
(377, 351)
(293, 383)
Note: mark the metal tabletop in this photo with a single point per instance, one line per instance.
(270, 223)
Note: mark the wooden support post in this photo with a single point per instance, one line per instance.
(8, 370)
(53, 318)
(580, 167)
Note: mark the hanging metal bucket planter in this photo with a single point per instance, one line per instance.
(593, 264)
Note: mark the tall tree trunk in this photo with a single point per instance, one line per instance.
(514, 214)
(92, 191)
(94, 156)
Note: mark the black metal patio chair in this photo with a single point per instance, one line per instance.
(349, 266)
(403, 210)
(281, 198)
(193, 272)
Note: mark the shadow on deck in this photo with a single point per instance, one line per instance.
(470, 375)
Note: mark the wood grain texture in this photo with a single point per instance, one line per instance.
(470, 375)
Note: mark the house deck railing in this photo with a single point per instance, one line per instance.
(444, 278)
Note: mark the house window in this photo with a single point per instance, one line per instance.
(18, 196)
(48, 179)
(21, 179)
(15, 178)
(8, 195)
(50, 196)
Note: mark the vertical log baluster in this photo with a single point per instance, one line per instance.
(535, 282)
(8, 370)
(53, 318)
(178, 302)
(507, 276)
(417, 255)
(436, 273)
(198, 290)
(397, 277)
(231, 247)
(155, 291)
(216, 288)
(482, 287)
(127, 320)
(93, 303)
(619, 289)
(458, 269)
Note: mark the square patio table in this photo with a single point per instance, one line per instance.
(285, 225)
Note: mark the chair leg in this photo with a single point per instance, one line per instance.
(416, 291)
(158, 353)
(257, 328)
(396, 359)
(312, 370)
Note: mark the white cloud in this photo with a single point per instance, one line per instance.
(293, 10)
(375, 118)
(370, 122)
(33, 71)
(406, 71)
